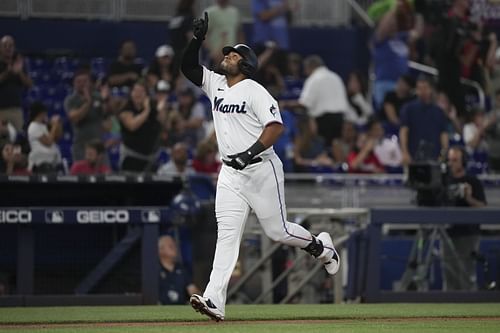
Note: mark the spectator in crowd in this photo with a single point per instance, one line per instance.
(341, 147)
(455, 126)
(111, 138)
(271, 22)
(310, 154)
(324, 97)
(474, 132)
(268, 73)
(293, 83)
(45, 156)
(13, 80)
(387, 149)
(224, 29)
(179, 162)
(85, 108)
(394, 101)
(447, 50)
(8, 133)
(164, 102)
(423, 133)
(191, 117)
(293, 78)
(176, 286)
(478, 54)
(93, 163)
(205, 160)
(363, 158)
(284, 145)
(360, 109)
(124, 71)
(161, 68)
(493, 136)
(12, 161)
(180, 30)
(140, 131)
(394, 32)
(494, 80)
(466, 191)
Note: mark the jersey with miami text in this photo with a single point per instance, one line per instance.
(240, 112)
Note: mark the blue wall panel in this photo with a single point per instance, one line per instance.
(343, 49)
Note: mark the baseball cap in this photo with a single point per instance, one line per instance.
(163, 86)
(164, 50)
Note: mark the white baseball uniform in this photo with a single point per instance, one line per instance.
(240, 114)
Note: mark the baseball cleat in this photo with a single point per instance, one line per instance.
(205, 306)
(329, 257)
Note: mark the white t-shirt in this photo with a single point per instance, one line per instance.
(388, 152)
(324, 92)
(470, 131)
(223, 27)
(41, 153)
(170, 168)
(240, 113)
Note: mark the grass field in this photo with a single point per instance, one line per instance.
(405, 318)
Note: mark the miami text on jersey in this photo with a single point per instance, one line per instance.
(228, 108)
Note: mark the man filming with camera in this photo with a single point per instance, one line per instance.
(463, 191)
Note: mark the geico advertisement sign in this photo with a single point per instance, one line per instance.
(102, 216)
(15, 216)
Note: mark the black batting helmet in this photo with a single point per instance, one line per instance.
(248, 65)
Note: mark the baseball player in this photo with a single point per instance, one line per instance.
(247, 123)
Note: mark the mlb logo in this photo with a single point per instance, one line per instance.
(54, 216)
(151, 216)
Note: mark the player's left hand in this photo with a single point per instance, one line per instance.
(200, 27)
(239, 161)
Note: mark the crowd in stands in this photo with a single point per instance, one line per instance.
(85, 116)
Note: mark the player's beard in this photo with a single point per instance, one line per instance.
(229, 70)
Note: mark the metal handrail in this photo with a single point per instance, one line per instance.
(304, 212)
(280, 277)
(291, 294)
(361, 12)
(252, 270)
(435, 72)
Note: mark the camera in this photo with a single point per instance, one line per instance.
(425, 175)
(431, 181)
(427, 178)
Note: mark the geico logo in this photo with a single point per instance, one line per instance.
(15, 216)
(102, 216)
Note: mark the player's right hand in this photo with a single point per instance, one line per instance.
(239, 161)
(200, 27)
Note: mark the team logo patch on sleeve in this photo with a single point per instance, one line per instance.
(272, 109)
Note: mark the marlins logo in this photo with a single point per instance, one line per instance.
(272, 109)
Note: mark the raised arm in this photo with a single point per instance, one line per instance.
(190, 66)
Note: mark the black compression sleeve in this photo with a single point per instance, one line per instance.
(190, 66)
(257, 148)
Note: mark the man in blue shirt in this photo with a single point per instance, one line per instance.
(391, 50)
(270, 22)
(423, 125)
(175, 283)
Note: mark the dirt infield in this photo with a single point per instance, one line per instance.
(240, 322)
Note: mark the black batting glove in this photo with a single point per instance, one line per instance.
(239, 161)
(200, 27)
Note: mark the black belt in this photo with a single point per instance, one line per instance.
(252, 161)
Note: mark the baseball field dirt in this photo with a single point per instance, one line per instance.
(258, 318)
